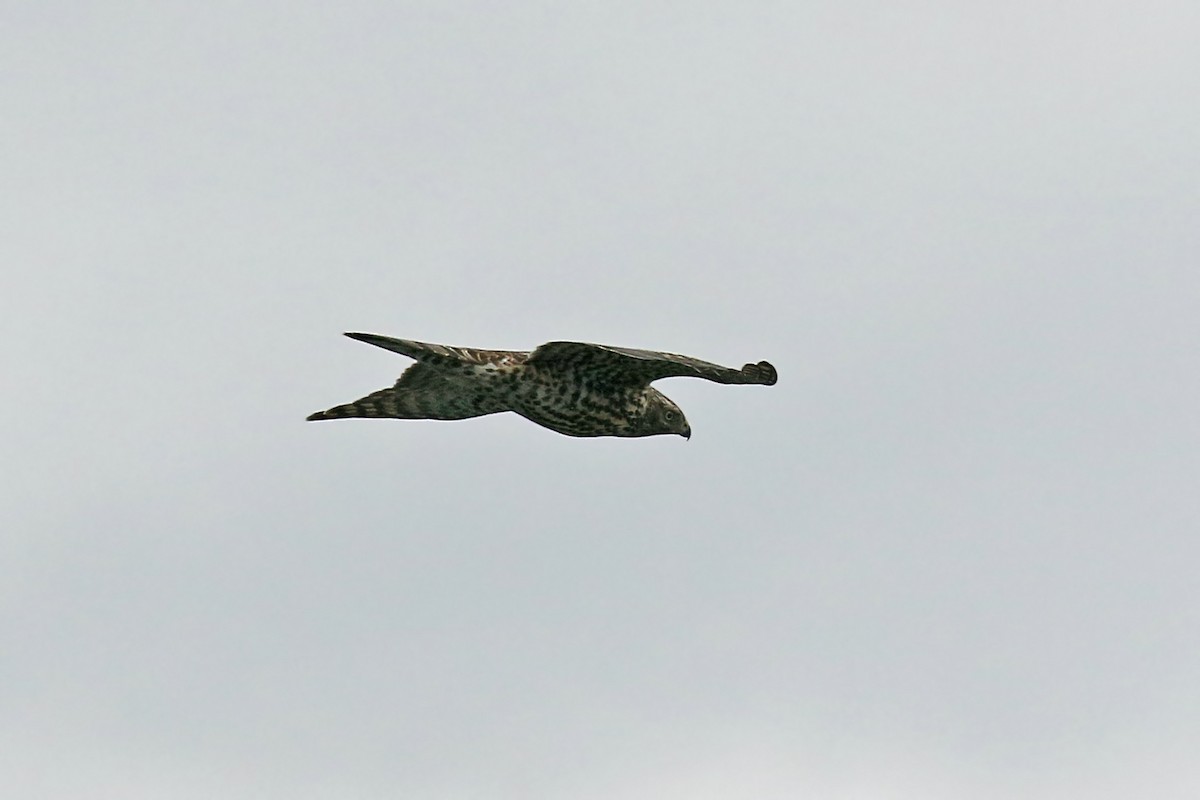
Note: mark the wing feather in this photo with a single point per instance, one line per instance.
(440, 353)
(626, 365)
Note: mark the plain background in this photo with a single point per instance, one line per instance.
(953, 553)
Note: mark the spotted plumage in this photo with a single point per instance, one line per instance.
(574, 388)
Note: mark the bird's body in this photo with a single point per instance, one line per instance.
(570, 387)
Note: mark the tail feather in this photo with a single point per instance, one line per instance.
(441, 385)
(382, 404)
(400, 402)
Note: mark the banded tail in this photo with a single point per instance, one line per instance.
(386, 403)
(424, 391)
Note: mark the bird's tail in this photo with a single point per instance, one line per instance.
(401, 402)
(382, 404)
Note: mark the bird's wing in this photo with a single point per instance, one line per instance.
(623, 365)
(440, 353)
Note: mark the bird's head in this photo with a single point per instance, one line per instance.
(663, 416)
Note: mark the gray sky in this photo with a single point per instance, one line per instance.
(953, 553)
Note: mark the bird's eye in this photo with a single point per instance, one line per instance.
(669, 416)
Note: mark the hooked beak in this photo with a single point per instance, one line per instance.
(687, 433)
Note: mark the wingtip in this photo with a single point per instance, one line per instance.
(763, 372)
(771, 374)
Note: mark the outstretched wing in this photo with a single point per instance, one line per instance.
(441, 353)
(622, 365)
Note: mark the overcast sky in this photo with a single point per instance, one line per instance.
(953, 553)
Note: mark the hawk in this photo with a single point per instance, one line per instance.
(570, 387)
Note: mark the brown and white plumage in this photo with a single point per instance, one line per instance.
(574, 388)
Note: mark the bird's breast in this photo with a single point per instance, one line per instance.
(570, 404)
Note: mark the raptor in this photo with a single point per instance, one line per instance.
(573, 388)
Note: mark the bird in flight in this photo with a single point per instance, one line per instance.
(570, 387)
